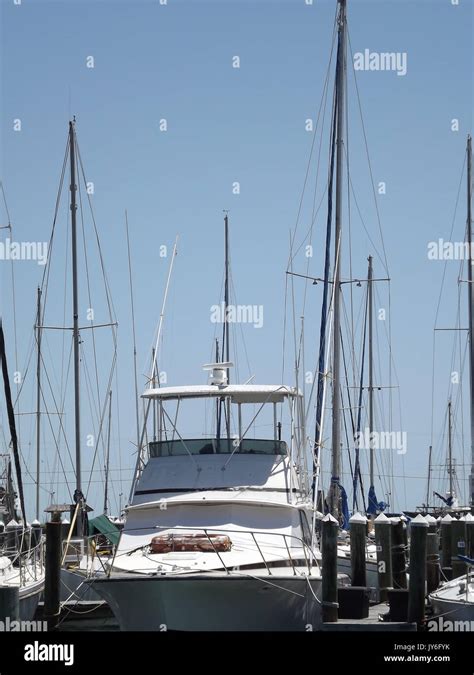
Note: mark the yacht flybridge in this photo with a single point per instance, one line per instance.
(218, 530)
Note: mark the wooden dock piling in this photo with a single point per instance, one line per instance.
(445, 530)
(383, 531)
(432, 555)
(469, 520)
(399, 562)
(52, 606)
(330, 528)
(458, 546)
(416, 591)
(358, 531)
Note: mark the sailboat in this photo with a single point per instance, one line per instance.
(344, 551)
(336, 501)
(79, 552)
(217, 535)
(177, 550)
(21, 544)
(456, 598)
(450, 500)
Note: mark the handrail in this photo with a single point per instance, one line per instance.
(216, 551)
(26, 562)
(308, 554)
(306, 559)
(289, 554)
(263, 557)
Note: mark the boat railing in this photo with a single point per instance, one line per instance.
(28, 559)
(469, 581)
(32, 562)
(298, 553)
(89, 549)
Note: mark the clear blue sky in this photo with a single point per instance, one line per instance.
(225, 125)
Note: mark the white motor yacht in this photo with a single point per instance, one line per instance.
(217, 535)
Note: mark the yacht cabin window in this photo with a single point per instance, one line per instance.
(212, 446)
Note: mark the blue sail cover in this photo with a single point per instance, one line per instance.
(345, 508)
(374, 505)
(447, 500)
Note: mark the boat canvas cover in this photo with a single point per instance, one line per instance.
(103, 525)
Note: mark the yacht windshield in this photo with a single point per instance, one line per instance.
(211, 446)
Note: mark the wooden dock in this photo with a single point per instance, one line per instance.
(371, 623)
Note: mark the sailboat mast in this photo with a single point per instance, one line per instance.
(371, 370)
(38, 402)
(430, 452)
(450, 450)
(107, 458)
(226, 291)
(226, 341)
(132, 307)
(218, 401)
(336, 384)
(75, 311)
(11, 424)
(153, 382)
(471, 304)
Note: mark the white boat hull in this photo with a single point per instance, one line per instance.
(29, 580)
(452, 610)
(212, 602)
(455, 600)
(74, 589)
(29, 598)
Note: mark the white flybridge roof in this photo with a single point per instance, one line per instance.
(239, 393)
